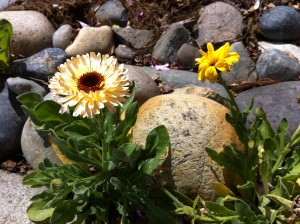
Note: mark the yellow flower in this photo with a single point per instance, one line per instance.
(90, 82)
(213, 61)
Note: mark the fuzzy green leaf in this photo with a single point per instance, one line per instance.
(245, 212)
(37, 211)
(6, 31)
(64, 212)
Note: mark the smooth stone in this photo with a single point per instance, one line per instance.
(193, 123)
(179, 78)
(186, 55)
(243, 70)
(112, 13)
(218, 22)
(12, 119)
(278, 101)
(281, 23)
(14, 198)
(146, 88)
(124, 53)
(133, 37)
(40, 65)
(5, 3)
(19, 86)
(275, 64)
(168, 44)
(63, 36)
(36, 147)
(91, 39)
(28, 26)
(290, 49)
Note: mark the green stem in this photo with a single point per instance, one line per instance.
(172, 197)
(228, 92)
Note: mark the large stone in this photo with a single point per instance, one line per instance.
(32, 31)
(219, 22)
(275, 64)
(186, 56)
(12, 120)
(281, 23)
(41, 65)
(14, 198)
(63, 36)
(19, 86)
(5, 3)
(169, 43)
(91, 39)
(278, 100)
(193, 123)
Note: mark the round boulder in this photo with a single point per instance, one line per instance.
(193, 123)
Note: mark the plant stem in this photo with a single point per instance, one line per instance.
(228, 92)
(172, 197)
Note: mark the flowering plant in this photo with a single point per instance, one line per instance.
(105, 177)
(265, 176)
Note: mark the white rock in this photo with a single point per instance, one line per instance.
(62, 37)
(5, 3)
(32, 31)
(290, 49)
(91, 39)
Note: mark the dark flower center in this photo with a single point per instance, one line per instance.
(90, 81)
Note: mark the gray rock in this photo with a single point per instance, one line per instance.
(146, 88)
(28, 26)
(275, 64)
(12, 120)
(36, 147)
(19, 86)
(14, 198)
(169, 43)
(218, 22)
(278, 100)
(281, 23)
(180, 78)
(92, 39)
(133, 37)
(290, 49)
(40, 65)
(124, 53)
(243, 70)
(193, 123)
(112, 12)
(186, 55)
(5, 3)
(63, 36)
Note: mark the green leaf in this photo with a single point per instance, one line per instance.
(130, 99)
(219, 211)
(78, 129)
(30, 99)
(37, 211)
(6, 32)
(156, 214)
(245, 212)
(36, 179)
(283, 201)
(65, 212)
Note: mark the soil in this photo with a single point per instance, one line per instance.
(156, 15)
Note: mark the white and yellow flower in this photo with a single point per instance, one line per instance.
(90, 82)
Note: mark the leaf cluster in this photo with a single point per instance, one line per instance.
(109, 179)
(5, 40)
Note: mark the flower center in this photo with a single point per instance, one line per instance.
(90, 81)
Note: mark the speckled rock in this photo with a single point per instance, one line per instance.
(133, 37)
(112, 13)
(5, 3)
(244, 69)
(63, 36)
(41, 65)
(19, 86)
(168, 44)
(146, 88)
(218, 22)
(14, 198)
(278, 100)
(281, 23)
(124, 53)
(27, 26)
(91, 39)
(275, 64)
(193, 123)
